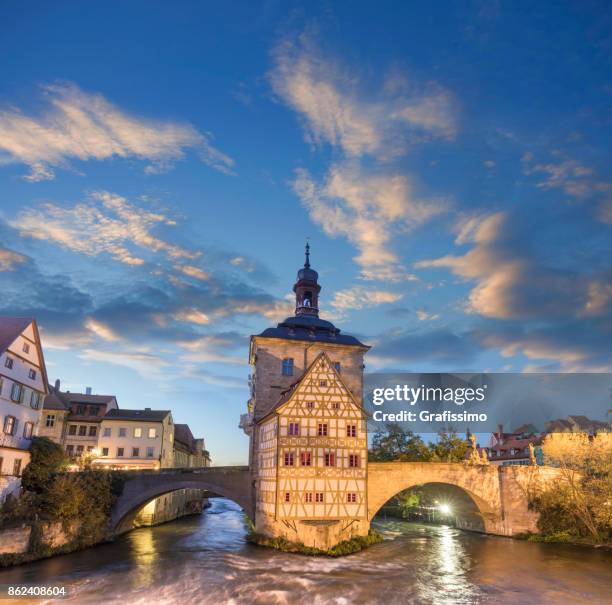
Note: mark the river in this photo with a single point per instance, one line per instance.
(204, 559)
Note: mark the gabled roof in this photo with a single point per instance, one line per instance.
(11, 328)
(87, 399)
(53, 401)
(146, 414)
(183, 433)
(62, 400)
(286, 395)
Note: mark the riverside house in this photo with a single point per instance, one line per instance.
(23, 386)
(73, 419)
(136, 439)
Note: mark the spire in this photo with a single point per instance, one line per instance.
(307, 289)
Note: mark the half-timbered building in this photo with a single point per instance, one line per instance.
(307, 426)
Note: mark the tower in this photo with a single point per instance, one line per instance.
(307, 289)
(307, 426)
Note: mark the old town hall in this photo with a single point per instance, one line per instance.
(307, 426)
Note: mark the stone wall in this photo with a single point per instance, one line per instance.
(316, 534)
(53, 535)
(170, 506)
(15, 540)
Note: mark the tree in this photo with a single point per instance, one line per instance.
(395, 443)
(580, 502)
(448, 448)
(46, 459)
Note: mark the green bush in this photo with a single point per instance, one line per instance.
(81, 502)
(347, 547)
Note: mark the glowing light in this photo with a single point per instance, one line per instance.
(445, 509)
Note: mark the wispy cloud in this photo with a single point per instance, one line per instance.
(105, 223)
(84, 126)
(367, 209)
(102, 330)
(423, 315)
(146, 364)
(542, 311)
(361, 298)
(511, 282)
(9, 260)
(573, 178)
(192, 271)
(337, 108)
(367, 206)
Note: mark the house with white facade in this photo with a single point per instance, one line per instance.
(23, 386)
(136, 439)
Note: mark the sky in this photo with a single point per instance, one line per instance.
(162, 164)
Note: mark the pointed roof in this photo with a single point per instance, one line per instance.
(11, 328)
(285, 396)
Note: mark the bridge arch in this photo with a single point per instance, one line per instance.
(479, 483)
(141, 487)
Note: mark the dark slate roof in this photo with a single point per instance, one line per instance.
(84, 398)
(54, 402)
(183, 436)
(10, 329)
(150, 415)
(310, 329)
(62, 400)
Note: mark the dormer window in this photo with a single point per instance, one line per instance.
(287, 368)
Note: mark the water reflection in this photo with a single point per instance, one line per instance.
(205, 560)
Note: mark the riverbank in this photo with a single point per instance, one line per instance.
(34, 541)
(562, 538)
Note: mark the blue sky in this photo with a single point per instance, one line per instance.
(161, 165)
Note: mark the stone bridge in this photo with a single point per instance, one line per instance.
(233, 482)
(498, 493)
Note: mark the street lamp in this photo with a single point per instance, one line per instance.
(445, 509)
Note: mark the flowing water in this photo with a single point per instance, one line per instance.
(204, 559)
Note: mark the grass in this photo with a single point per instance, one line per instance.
(560, 537)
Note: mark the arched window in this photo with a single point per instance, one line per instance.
(288, 366)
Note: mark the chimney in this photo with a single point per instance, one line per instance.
(57, 384)
(147, 409)
(87, 390)
(500, 433)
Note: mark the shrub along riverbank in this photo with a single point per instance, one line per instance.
(76, 505)
(348, 547)
(576, 509)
